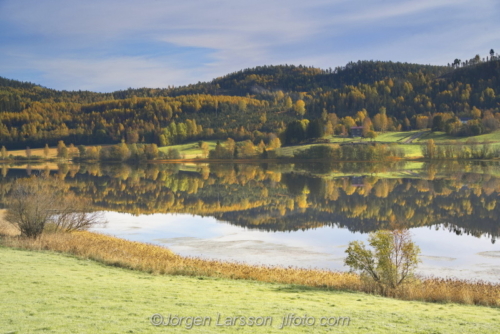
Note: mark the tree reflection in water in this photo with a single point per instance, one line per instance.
(288, 197)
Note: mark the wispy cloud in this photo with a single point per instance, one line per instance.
(114, 44)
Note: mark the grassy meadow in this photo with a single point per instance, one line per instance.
(190, 150)
(44, 292)
(36, 151)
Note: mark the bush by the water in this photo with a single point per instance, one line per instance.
(351, 152)
(390, 264)
(35, 203)
(456, 150)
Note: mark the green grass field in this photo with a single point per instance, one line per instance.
(190, 150)
(44, 292)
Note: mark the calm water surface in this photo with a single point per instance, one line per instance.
(300, 215)
(444, 253)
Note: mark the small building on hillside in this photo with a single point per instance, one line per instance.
(356, 131)
(464, 120)
(357, 181)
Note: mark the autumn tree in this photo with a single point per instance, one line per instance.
(263, 118)
(92, 153)
(430, 151)
(360, 116)
(230, 145)
(371, 134)
(162, 139)
(4, 153)
(46, 151)
(242, 105)
(72, 150)
(173, 153)
(204, 149)
(132, 137)
(380, 121)
(329, 128)
(261, 147)
(82, 152)
(475, 113)
(62, 150)
(119, 152)
(422, 122)
(300, 108)
(151, 151)
(274, 143)
(247, 150)
(367, 126)
(390, 263)
(288, 103)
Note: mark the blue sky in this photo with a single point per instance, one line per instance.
(109, 45)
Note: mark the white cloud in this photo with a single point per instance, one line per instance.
(108, 74)
(115, 44)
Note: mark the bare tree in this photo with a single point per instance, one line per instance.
(74, 214)
(37, 202)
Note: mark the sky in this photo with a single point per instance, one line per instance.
(109, 45)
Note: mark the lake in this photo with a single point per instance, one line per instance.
(301, 215)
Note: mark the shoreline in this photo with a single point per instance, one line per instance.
(160, 260)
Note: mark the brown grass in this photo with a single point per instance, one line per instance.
(6, 228)
(159, 260)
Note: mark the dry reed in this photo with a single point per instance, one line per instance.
(5, 227)
(159, 260)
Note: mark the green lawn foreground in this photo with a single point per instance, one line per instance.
(43, 292)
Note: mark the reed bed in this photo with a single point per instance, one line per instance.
(159, 260)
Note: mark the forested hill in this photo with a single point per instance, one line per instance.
(290, 78)
(16, 95)
(488, 72)
(261, 79)
(258, 104)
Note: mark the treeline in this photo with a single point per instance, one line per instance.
(351, 152)
(244, 150)
(120, 152)
(468, 150)
(263, 81)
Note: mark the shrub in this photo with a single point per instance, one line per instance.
(34, 203)
(392, 261)
(173, 153)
